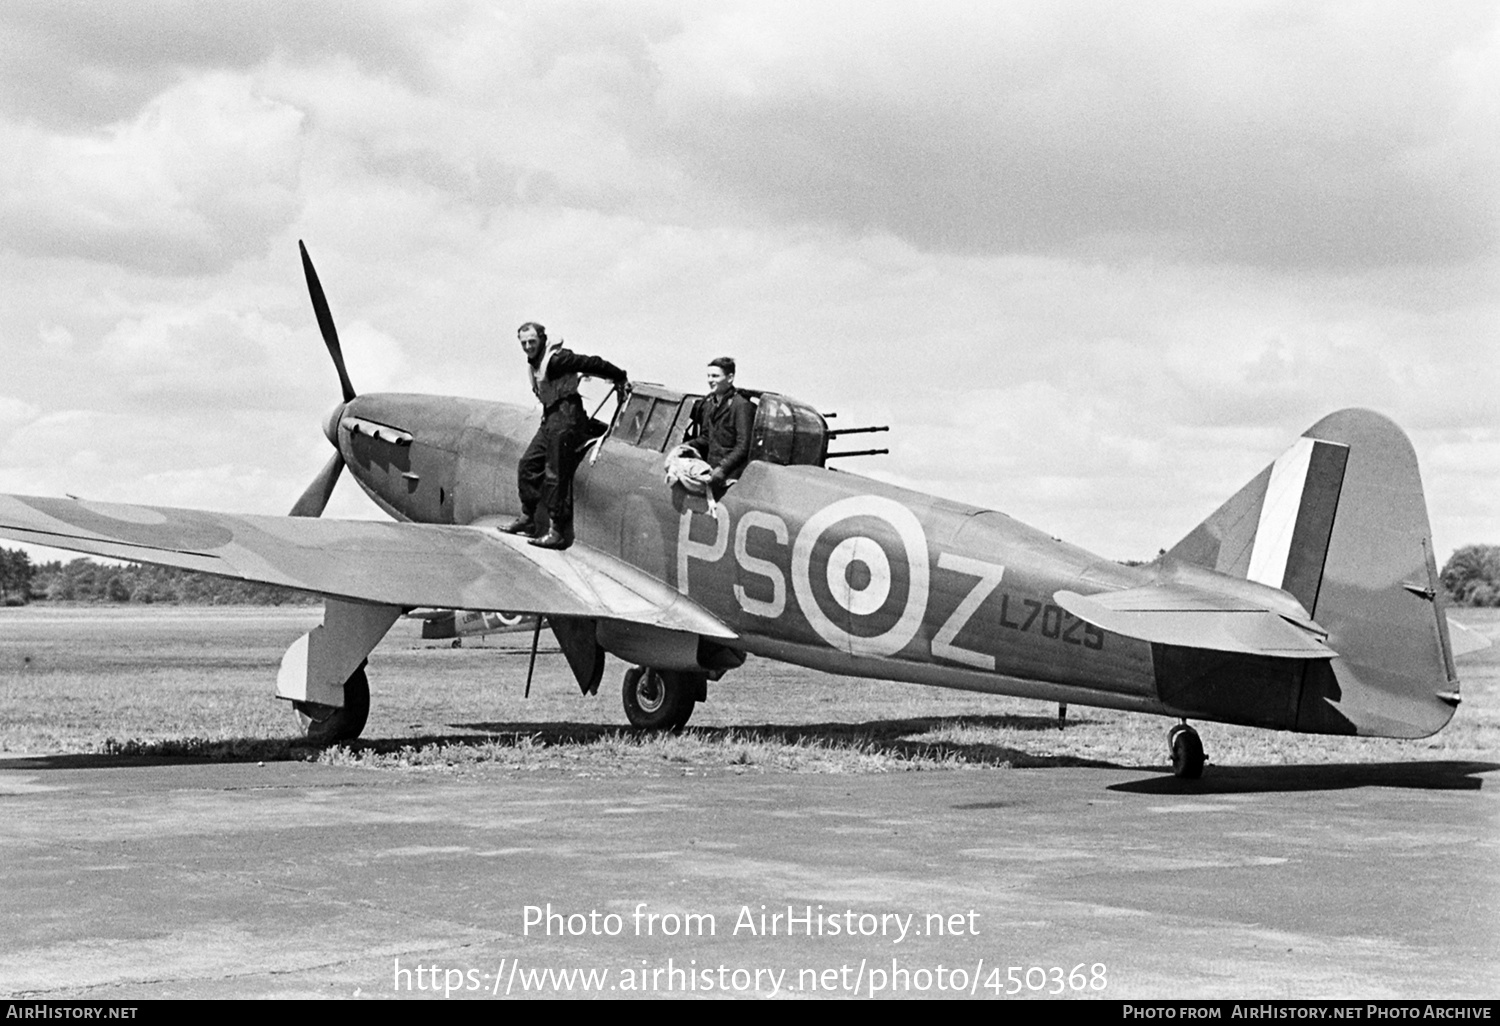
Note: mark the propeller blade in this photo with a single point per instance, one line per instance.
(313, 500)
(325, 322)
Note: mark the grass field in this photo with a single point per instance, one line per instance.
(199, 682)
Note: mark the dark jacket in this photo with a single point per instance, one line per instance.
(563, 369)
(721, 432)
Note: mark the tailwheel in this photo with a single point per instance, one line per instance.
(1187, 752)
(330, 724)
(659, 699)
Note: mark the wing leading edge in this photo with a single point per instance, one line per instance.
(398, 564)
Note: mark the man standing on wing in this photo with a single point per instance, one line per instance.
(545, 473)
(721, 424)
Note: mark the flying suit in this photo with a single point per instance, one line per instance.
(544, 477)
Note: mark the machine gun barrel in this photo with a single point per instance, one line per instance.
(856, 431)
(857, 452)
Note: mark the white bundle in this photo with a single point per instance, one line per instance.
(684, 467)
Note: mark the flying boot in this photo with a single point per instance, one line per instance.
(522, 525)
(554, 539)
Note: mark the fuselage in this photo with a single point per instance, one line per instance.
(808, 565)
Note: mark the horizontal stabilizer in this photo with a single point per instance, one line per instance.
(1189, 618)
(1466, 640)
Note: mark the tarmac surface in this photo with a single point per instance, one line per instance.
(125, 878)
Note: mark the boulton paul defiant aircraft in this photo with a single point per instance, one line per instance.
(1308, 602)
(466, 623)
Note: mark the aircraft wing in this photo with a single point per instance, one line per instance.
(398, 564)
(1195, 618)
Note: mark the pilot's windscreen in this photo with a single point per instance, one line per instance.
(633, 418)
(658, 423)
(684, 420)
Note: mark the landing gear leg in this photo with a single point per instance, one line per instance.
(1187, 752)
(661, 699)
(328, 724)
(323, 672)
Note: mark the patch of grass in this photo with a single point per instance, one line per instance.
(823, 748)
(185, 683)
(235, 749)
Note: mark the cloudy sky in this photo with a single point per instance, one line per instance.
(1095, 263)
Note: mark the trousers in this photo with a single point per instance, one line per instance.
(544, 477)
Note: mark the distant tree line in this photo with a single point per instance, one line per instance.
(1472, 576)
(16, 573)
(83, 580)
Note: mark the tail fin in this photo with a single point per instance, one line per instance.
(1276, 530)
(1340, 523)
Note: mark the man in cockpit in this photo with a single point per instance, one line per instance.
(545, 474)
(721, 425)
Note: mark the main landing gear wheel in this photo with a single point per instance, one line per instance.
(658, 699)
(1187, 752)
(329, 724)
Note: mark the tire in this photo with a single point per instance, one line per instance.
(684, 709)
(328, 724)
(658, 699)
(1187, 753)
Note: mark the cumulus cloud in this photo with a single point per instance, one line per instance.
(237, 460)
(207, 353)
(198, 179)
(88, 63)
(15, 411)
(1268, 134)
(1095, 266)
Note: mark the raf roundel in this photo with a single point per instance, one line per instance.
(863, 593)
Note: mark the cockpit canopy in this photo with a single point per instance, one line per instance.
(787, 431)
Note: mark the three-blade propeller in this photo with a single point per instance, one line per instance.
(315, 498)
